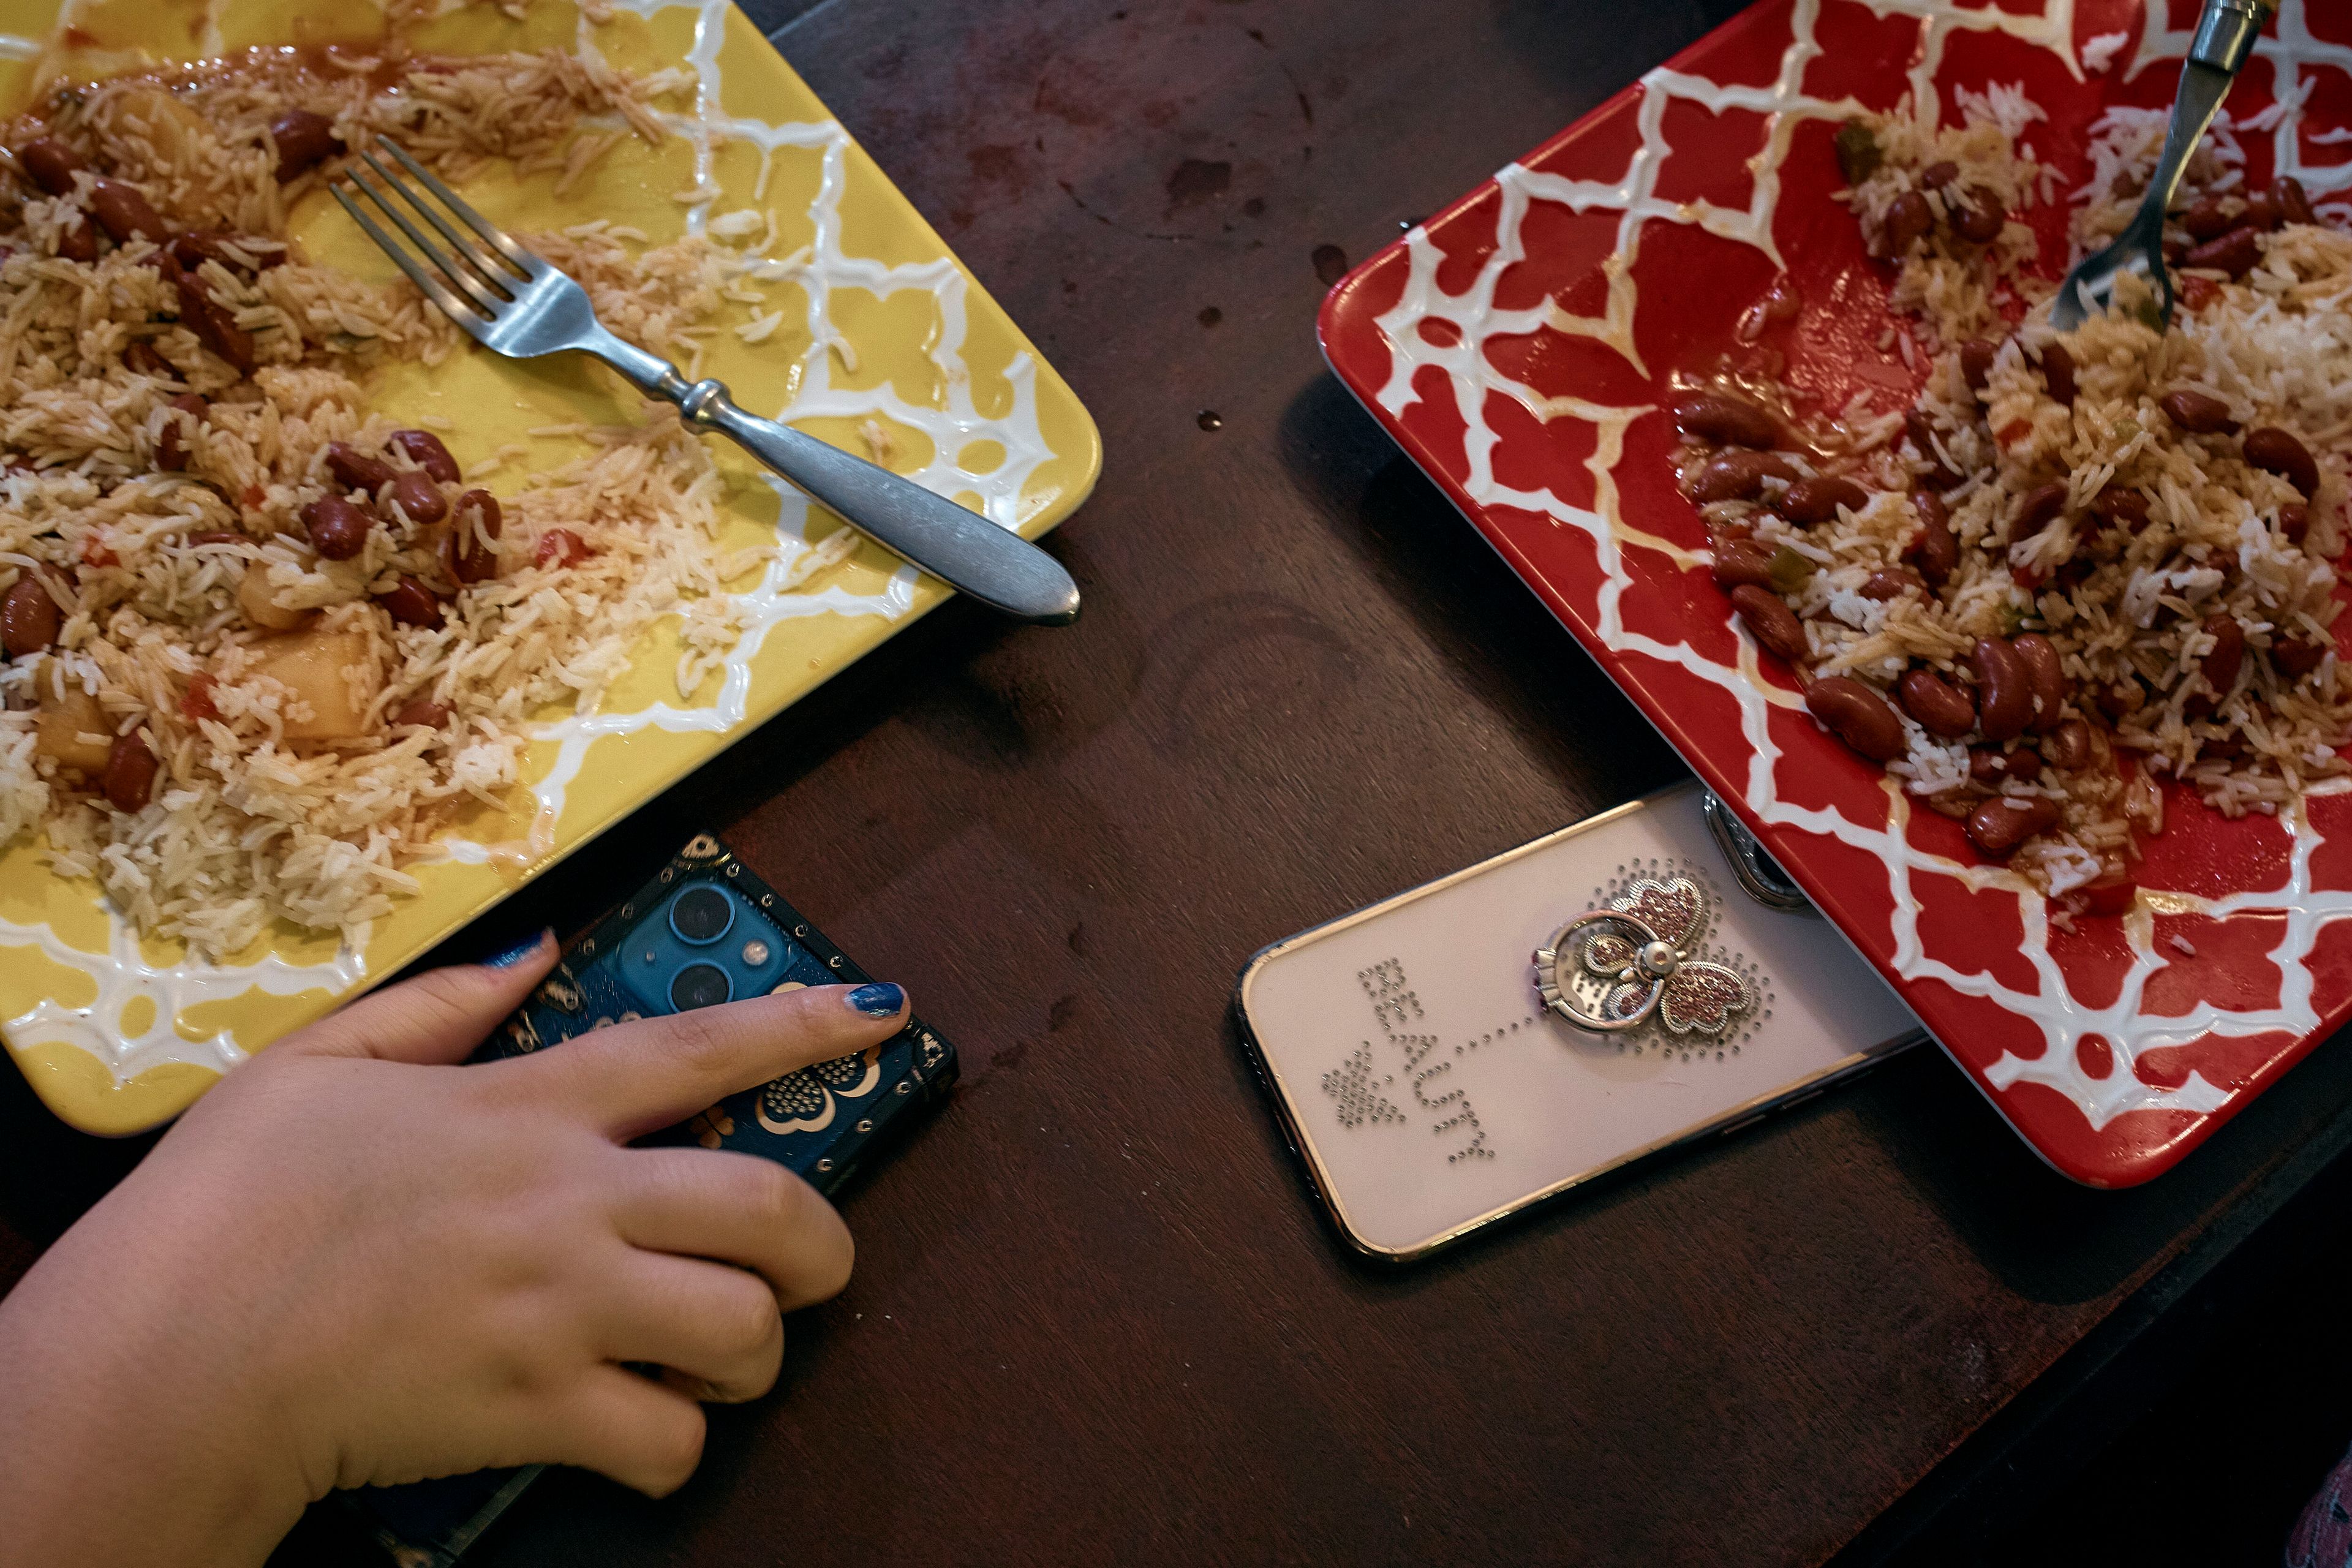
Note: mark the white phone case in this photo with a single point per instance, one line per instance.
(1430, 1091)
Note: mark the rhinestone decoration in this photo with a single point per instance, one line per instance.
(1636, 959)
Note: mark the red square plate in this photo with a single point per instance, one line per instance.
(1520, 345)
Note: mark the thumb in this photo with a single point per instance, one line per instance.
(440, 1016)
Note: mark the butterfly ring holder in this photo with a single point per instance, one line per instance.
(1613, 969)
(1430, 1084)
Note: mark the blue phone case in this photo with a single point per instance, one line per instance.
(704, 931)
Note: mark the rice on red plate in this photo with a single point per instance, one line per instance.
(2079, 560)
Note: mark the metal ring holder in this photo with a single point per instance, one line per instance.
(1758, 875)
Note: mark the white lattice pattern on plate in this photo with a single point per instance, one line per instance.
(2063, 1018)
(123, 974)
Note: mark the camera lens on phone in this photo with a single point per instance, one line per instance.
(700, 985)
(701, 915)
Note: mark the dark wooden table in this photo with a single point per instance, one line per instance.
(1096, 1317)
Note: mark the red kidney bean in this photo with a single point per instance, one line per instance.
(215, 326)
(50, 164)
(2220, 666)
(1737, 473)
(77, 241)
(1936, 551)
(1989, 767)
(2197, 412)
(2294, 521)
(1941, 708)
(2262, 211)
(2234, 253)
(304, 140)
(1775, 624)
(1742, 563)
(419, 497)
(356, 470)
(471, 560)
(421, 712)
(560, 547)
(2126, 509)
(130, 768)
(1891, 583)
(1858, 716)
(2208, 218)
(2069, 745)
(124, 212)
(2293, 201)
(2296, 658)
(29, 618)
(410, 604)
(1721, 418)
(2277, 451)
(172, 445)
(424, 449)
(143, 357)
(1978, 217)
(191, 251)
(2004, 690)
(1998, 827)
(2045, 676)
(2040, 508)
(1976, 362)
(1922, 431)
(1936, 177)
(338, 527)
(1812, 501)
(2058, 373)
(1909, 219)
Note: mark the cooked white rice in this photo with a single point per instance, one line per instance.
(2127, 610)
(246, 827)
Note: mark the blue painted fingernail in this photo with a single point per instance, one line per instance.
(507, 958)
(878, 1000)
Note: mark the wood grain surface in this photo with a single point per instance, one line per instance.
(1096, 1316)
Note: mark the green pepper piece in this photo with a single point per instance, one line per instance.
(1789, 570)
(1857, 151)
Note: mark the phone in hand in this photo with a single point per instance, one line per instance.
(703, 932)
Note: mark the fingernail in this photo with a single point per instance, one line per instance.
(507, 958)
(879, 999)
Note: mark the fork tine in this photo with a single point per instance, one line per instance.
(481, 260)
(529, 264)
(485, 302)
(456, 309)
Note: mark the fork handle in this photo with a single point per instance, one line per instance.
(960, 547)
(2226, 31)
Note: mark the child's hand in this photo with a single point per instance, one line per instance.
(353, 1261)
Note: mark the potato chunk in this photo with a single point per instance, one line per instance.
(253, 598)
(175, 129)
(66, 718)
(336, 673)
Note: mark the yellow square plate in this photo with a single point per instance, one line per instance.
(118, 1035)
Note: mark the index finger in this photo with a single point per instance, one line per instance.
(635, 1078)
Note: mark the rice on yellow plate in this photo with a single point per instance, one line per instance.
(315, 612)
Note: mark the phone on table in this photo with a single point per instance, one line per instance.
(1431, 1082)
(703, 932)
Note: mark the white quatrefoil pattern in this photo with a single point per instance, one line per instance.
(1520, 345)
